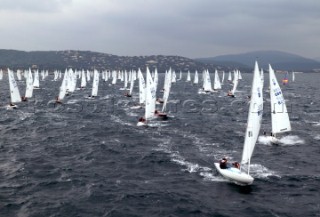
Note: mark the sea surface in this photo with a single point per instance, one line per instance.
(87, 157)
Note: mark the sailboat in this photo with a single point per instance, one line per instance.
(217, 83)
(83, 80)
(36, 83)
(131, 78)
(150, 100)
(63, 88)
(166, 92)
(14, 91)
(95, 84)
(280, 121)
(229, 77)
(29, 86)
(207, 87)
(235, 84)
(188, 76)
(196, 78)
(238, 174)
(293, 76)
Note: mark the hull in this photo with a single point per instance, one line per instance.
(141, 124)
(136, 107)
(273, 140)
(9, 107)
(235, 175)
(162, 116)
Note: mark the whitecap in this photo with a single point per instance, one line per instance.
(259, 171)
(291, 140)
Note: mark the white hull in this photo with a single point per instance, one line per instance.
(11, 107)
(141, 124)
(235, 175)
(90, 97)
(201, 91)
(136, 107)
(273, 140)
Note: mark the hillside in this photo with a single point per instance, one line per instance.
(279, 60)
(88, 60)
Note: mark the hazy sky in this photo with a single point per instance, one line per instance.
(190, 28)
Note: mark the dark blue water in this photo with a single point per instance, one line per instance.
(88, 158)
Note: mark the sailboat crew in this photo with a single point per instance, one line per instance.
(12, 106)
(23, 98)
(142, 120)
(230, 94)
(158, 100)
(58, 100)
(161, 115)
(225, 165)
(127, 94)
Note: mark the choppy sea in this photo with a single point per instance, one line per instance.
(88, 157)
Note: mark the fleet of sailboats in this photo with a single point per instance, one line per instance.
(147, 95)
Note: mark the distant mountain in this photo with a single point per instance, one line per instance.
(279, 60)
(316, 59)
(89, 60)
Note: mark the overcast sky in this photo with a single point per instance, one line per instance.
(190, 28)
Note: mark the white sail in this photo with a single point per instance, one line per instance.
(229, 77)
(207, 86)
(156, 79)
(56, 75)
(19, 77)
(235, 82)
(254, 117)
(1, 74)
(29, 85)
(63, 87)
(188, 76)
(36, 83)
(216, 84)
(262, 78)
(239, 75)
(150, 97)
(279, 115)
(83, 79)
(174, 77)
(95, 83)
(88, 75)
(125, 78)
(114, 77)
(293, 76)
(167, 88)
(14, 91)
(131, 83)
(196, 77)
(142, 88)
(72, 80)
(222, 80)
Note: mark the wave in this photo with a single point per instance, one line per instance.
(290, 140)
(317, 137)
(262, 172)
